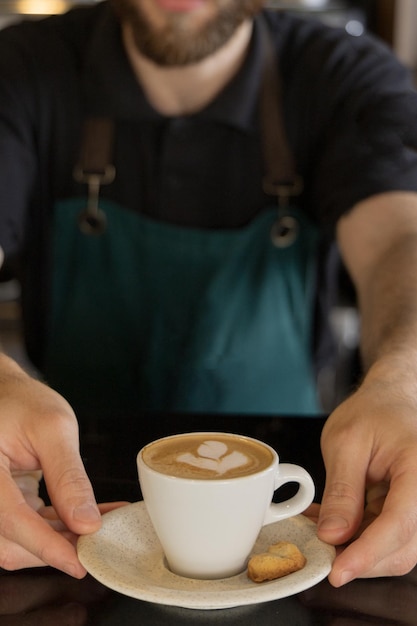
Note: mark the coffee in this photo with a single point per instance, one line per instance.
(208, 496)
(207, 456)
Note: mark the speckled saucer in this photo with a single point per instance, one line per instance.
(126, 556)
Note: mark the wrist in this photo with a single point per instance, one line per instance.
(397, 368)
(9, 368)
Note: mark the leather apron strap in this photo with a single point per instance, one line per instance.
(281, 180)
(95, 168)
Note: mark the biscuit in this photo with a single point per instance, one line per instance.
(282, 558)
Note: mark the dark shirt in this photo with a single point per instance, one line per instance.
(350, 115)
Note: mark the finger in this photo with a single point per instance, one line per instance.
(68, 485)
(27, 540)
(343, 497)
(312, 512)
(20, 558)
(106, 507)
(388, 546)
(369, 557)
(56, 446)
(49, 513)
(15, 557)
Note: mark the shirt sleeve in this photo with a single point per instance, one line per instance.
(360, 118)
(17, 145)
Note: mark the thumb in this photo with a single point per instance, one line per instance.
(69, 488)
(342, 505)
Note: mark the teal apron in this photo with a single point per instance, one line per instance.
(154, 316)
(151, 316)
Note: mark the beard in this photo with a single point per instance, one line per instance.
(174, 45)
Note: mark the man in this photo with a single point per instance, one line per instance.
(179, 98)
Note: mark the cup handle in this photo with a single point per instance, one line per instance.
(289, 473)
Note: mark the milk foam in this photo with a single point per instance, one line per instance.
(214, 456)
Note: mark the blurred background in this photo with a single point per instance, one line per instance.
(393, 20)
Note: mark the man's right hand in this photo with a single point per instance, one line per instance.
(39, 431)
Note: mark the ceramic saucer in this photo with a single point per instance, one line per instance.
(126, 556)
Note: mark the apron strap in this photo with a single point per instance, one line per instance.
(95, 168)
(280, 178)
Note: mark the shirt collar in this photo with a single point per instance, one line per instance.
(111, 88)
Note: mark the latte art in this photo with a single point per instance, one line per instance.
(215, 456)
(207, 456)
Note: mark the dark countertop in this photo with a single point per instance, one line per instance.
(43, 597)
(46, 598)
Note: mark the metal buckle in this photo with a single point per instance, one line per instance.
(285, 229)
(93, 221)
(283, 191)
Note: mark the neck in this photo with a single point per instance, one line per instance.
(185, 90)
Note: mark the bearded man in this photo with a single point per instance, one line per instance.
(174, 174)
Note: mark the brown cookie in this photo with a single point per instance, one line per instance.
(282, 558)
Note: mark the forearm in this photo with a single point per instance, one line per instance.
(378, 243)
(369, 442)
(388, 307)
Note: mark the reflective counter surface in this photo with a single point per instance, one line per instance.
(44, 597)
(47, 598)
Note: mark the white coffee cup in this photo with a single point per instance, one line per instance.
(208, 496)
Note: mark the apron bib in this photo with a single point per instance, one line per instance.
(150, 316)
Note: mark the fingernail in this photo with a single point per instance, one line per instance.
(73, 569)
(346, 577)
(334, 522)
(86, 513)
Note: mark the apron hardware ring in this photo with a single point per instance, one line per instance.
(284, 231)
(93, 221)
